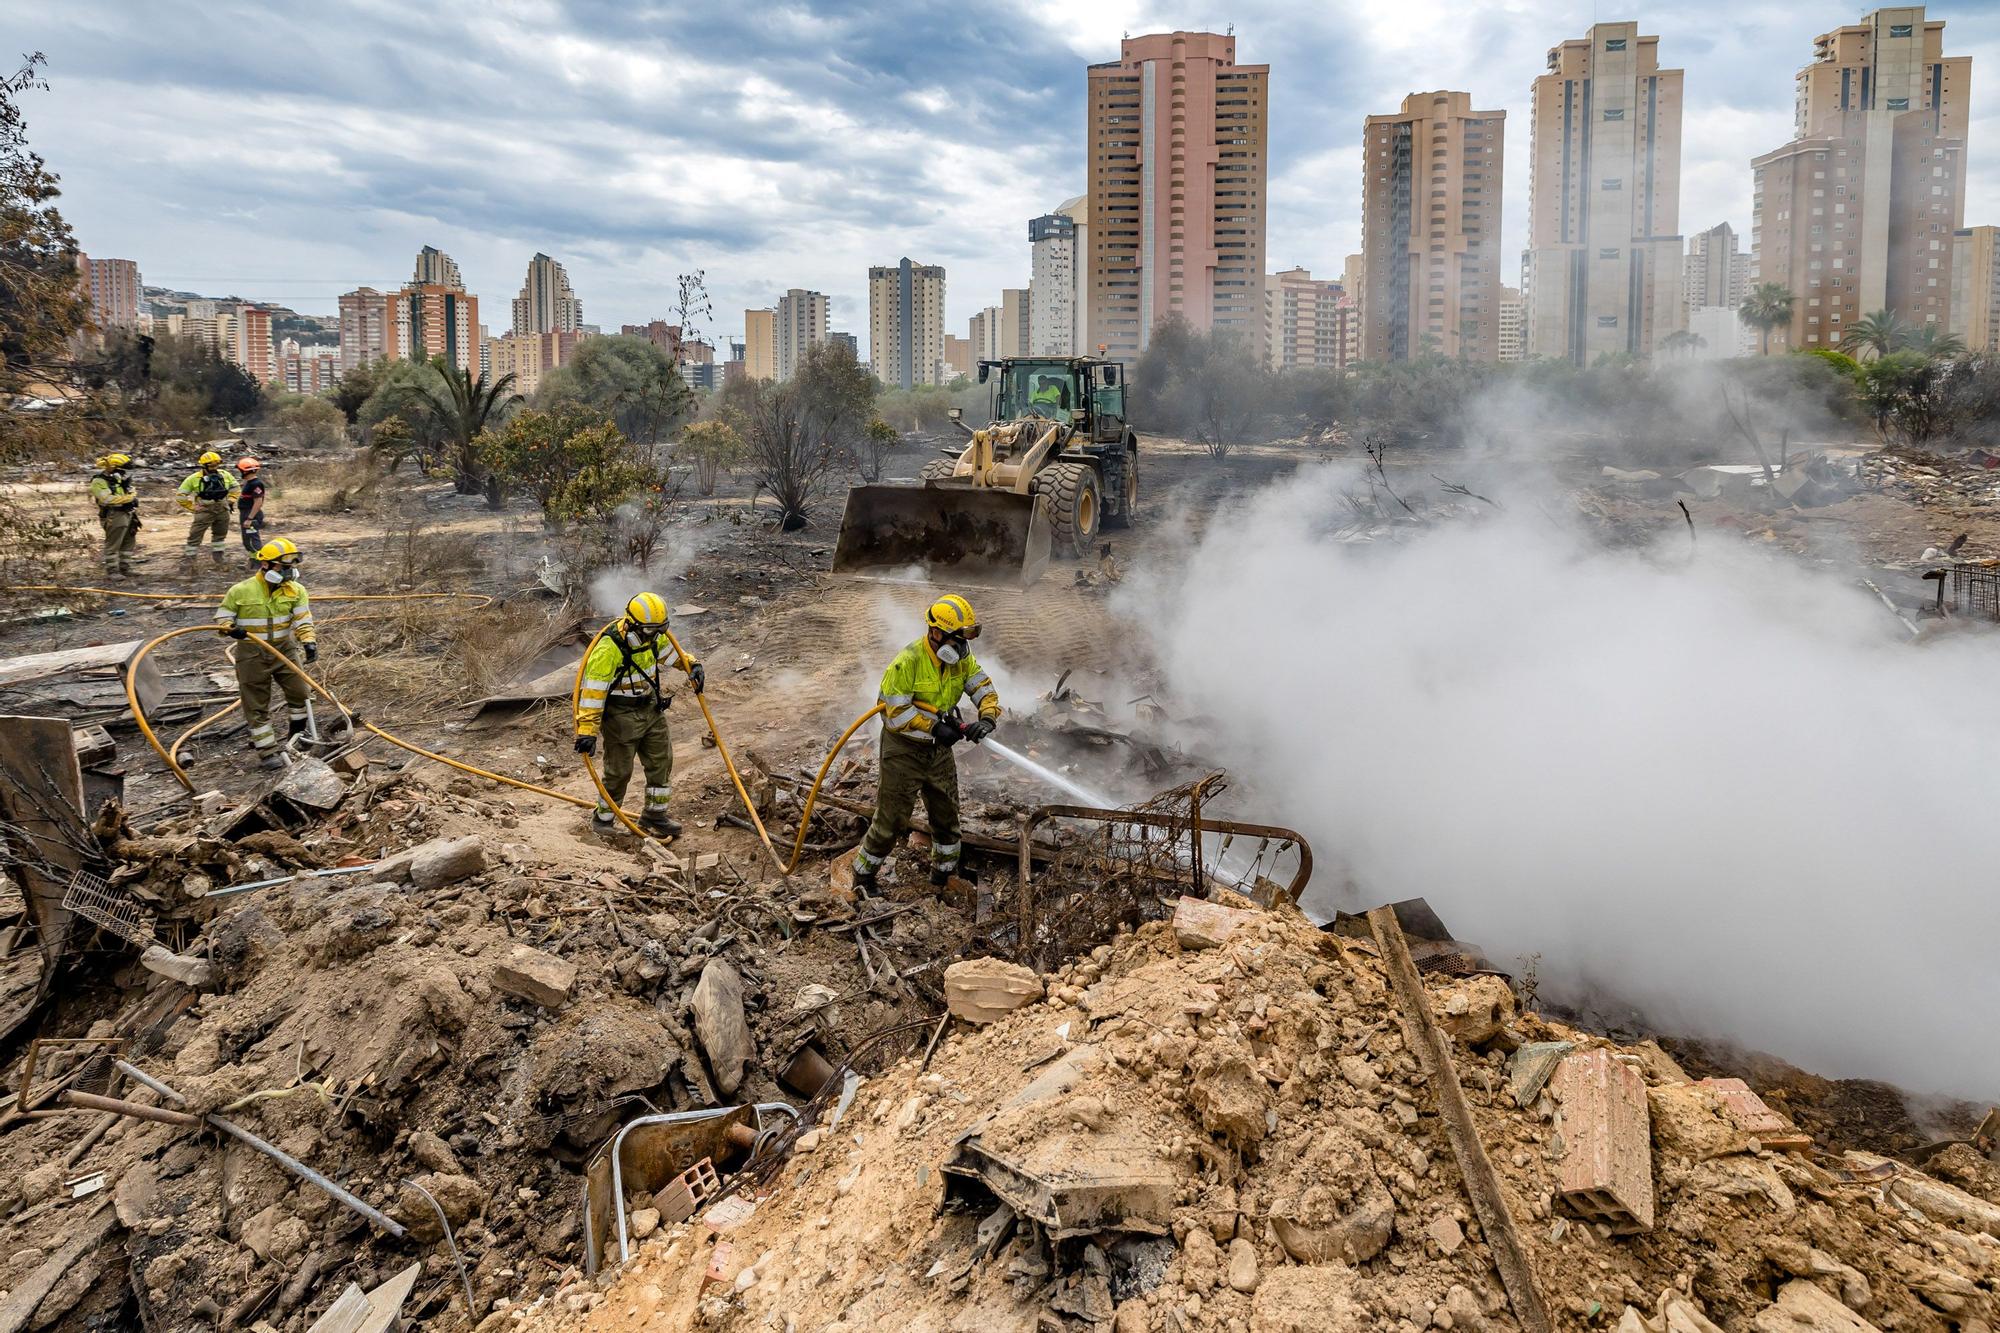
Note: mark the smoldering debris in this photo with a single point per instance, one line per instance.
(1691, 780)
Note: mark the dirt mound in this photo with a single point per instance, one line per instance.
(1240, 1138)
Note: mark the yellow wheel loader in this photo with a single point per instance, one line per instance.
(1055, 466)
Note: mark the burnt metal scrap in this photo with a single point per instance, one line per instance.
(1118, 867)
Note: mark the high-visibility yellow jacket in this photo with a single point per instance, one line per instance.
(222, 485)
(277, 615)
(615, 671)
(112, 490)
(917, 677)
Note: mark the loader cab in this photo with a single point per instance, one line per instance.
(1077, 391)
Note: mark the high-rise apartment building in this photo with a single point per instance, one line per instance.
(760, 344)
(485, 354)
(1302, 328)
(1016, 332)
(1052, 284)
(982, 335)
(364, 327)
(1513, 325)
(529, 357)
(250, 346)
(802, 323)
(426, 320)
(957, 357)
(1177, 176)
(311, 370)
(1604, 187)
(1975, 287)
(906, 323)
(113, 287)
(1431, 230)
(847, 340)
(1859, 212)
(435, 268)
(1715, 272)
(546, 303)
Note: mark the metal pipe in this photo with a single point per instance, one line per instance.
(141, 1077)
(304, 1172)
(91, 1101)
(228, 890)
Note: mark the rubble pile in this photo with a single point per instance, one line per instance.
(1223, 1125)
(462, 1018)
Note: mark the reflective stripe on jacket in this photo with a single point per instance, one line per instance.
(277, 615)
(917, 677)
(614, 671)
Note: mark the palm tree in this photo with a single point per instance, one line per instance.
(1880, 333)
(1683, 342)
(1768, 305)
(1934, 343)
(463, 407)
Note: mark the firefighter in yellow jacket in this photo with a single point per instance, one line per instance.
(270, 605)
(209, 496)
(117, 511)
(920, 693)
(623, 702)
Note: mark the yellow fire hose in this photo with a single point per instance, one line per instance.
(763, 835)
(171, 755)
(145, 728)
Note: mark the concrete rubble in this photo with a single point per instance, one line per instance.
(1234, 1136)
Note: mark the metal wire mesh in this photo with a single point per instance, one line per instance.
(109, 908)
(1118, 868)
(1975, 590)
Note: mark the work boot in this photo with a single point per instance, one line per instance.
(865, 885)
(215, 557)
(660, 826)
(602, 821)
(298, 728)
(271, 759)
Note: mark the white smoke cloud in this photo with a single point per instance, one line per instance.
(1719, 787)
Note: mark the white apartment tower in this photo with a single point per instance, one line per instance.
(802, 323)
(546, 303)
(906, 324)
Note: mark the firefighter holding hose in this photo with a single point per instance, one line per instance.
(919, 696)
(623, 702)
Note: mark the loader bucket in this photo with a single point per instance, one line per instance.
(972, 534)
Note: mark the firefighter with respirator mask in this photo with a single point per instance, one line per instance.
(919, 696)
(622, 702)
(270, 605)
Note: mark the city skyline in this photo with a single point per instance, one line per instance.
(354, 205)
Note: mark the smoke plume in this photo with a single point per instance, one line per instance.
(1718, 787)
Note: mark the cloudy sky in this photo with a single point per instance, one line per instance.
(288, 153)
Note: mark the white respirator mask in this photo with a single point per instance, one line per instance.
(274, 577)
(951, 652)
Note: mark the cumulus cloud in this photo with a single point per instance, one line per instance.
(291, 153)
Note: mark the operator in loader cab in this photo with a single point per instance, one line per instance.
(919, 696)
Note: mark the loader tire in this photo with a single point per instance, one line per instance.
(1123, 475)
(938, 469)
(1075, 507)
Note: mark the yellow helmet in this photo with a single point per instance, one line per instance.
(648, 608)
(953, 615)
(110, 461)
(210, 457)
(278, 550)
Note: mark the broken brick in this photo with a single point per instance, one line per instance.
(1607, 1165)
(540, 978)
(1755, 1118)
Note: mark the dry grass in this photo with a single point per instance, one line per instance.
(428, 655)
(328, 486)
